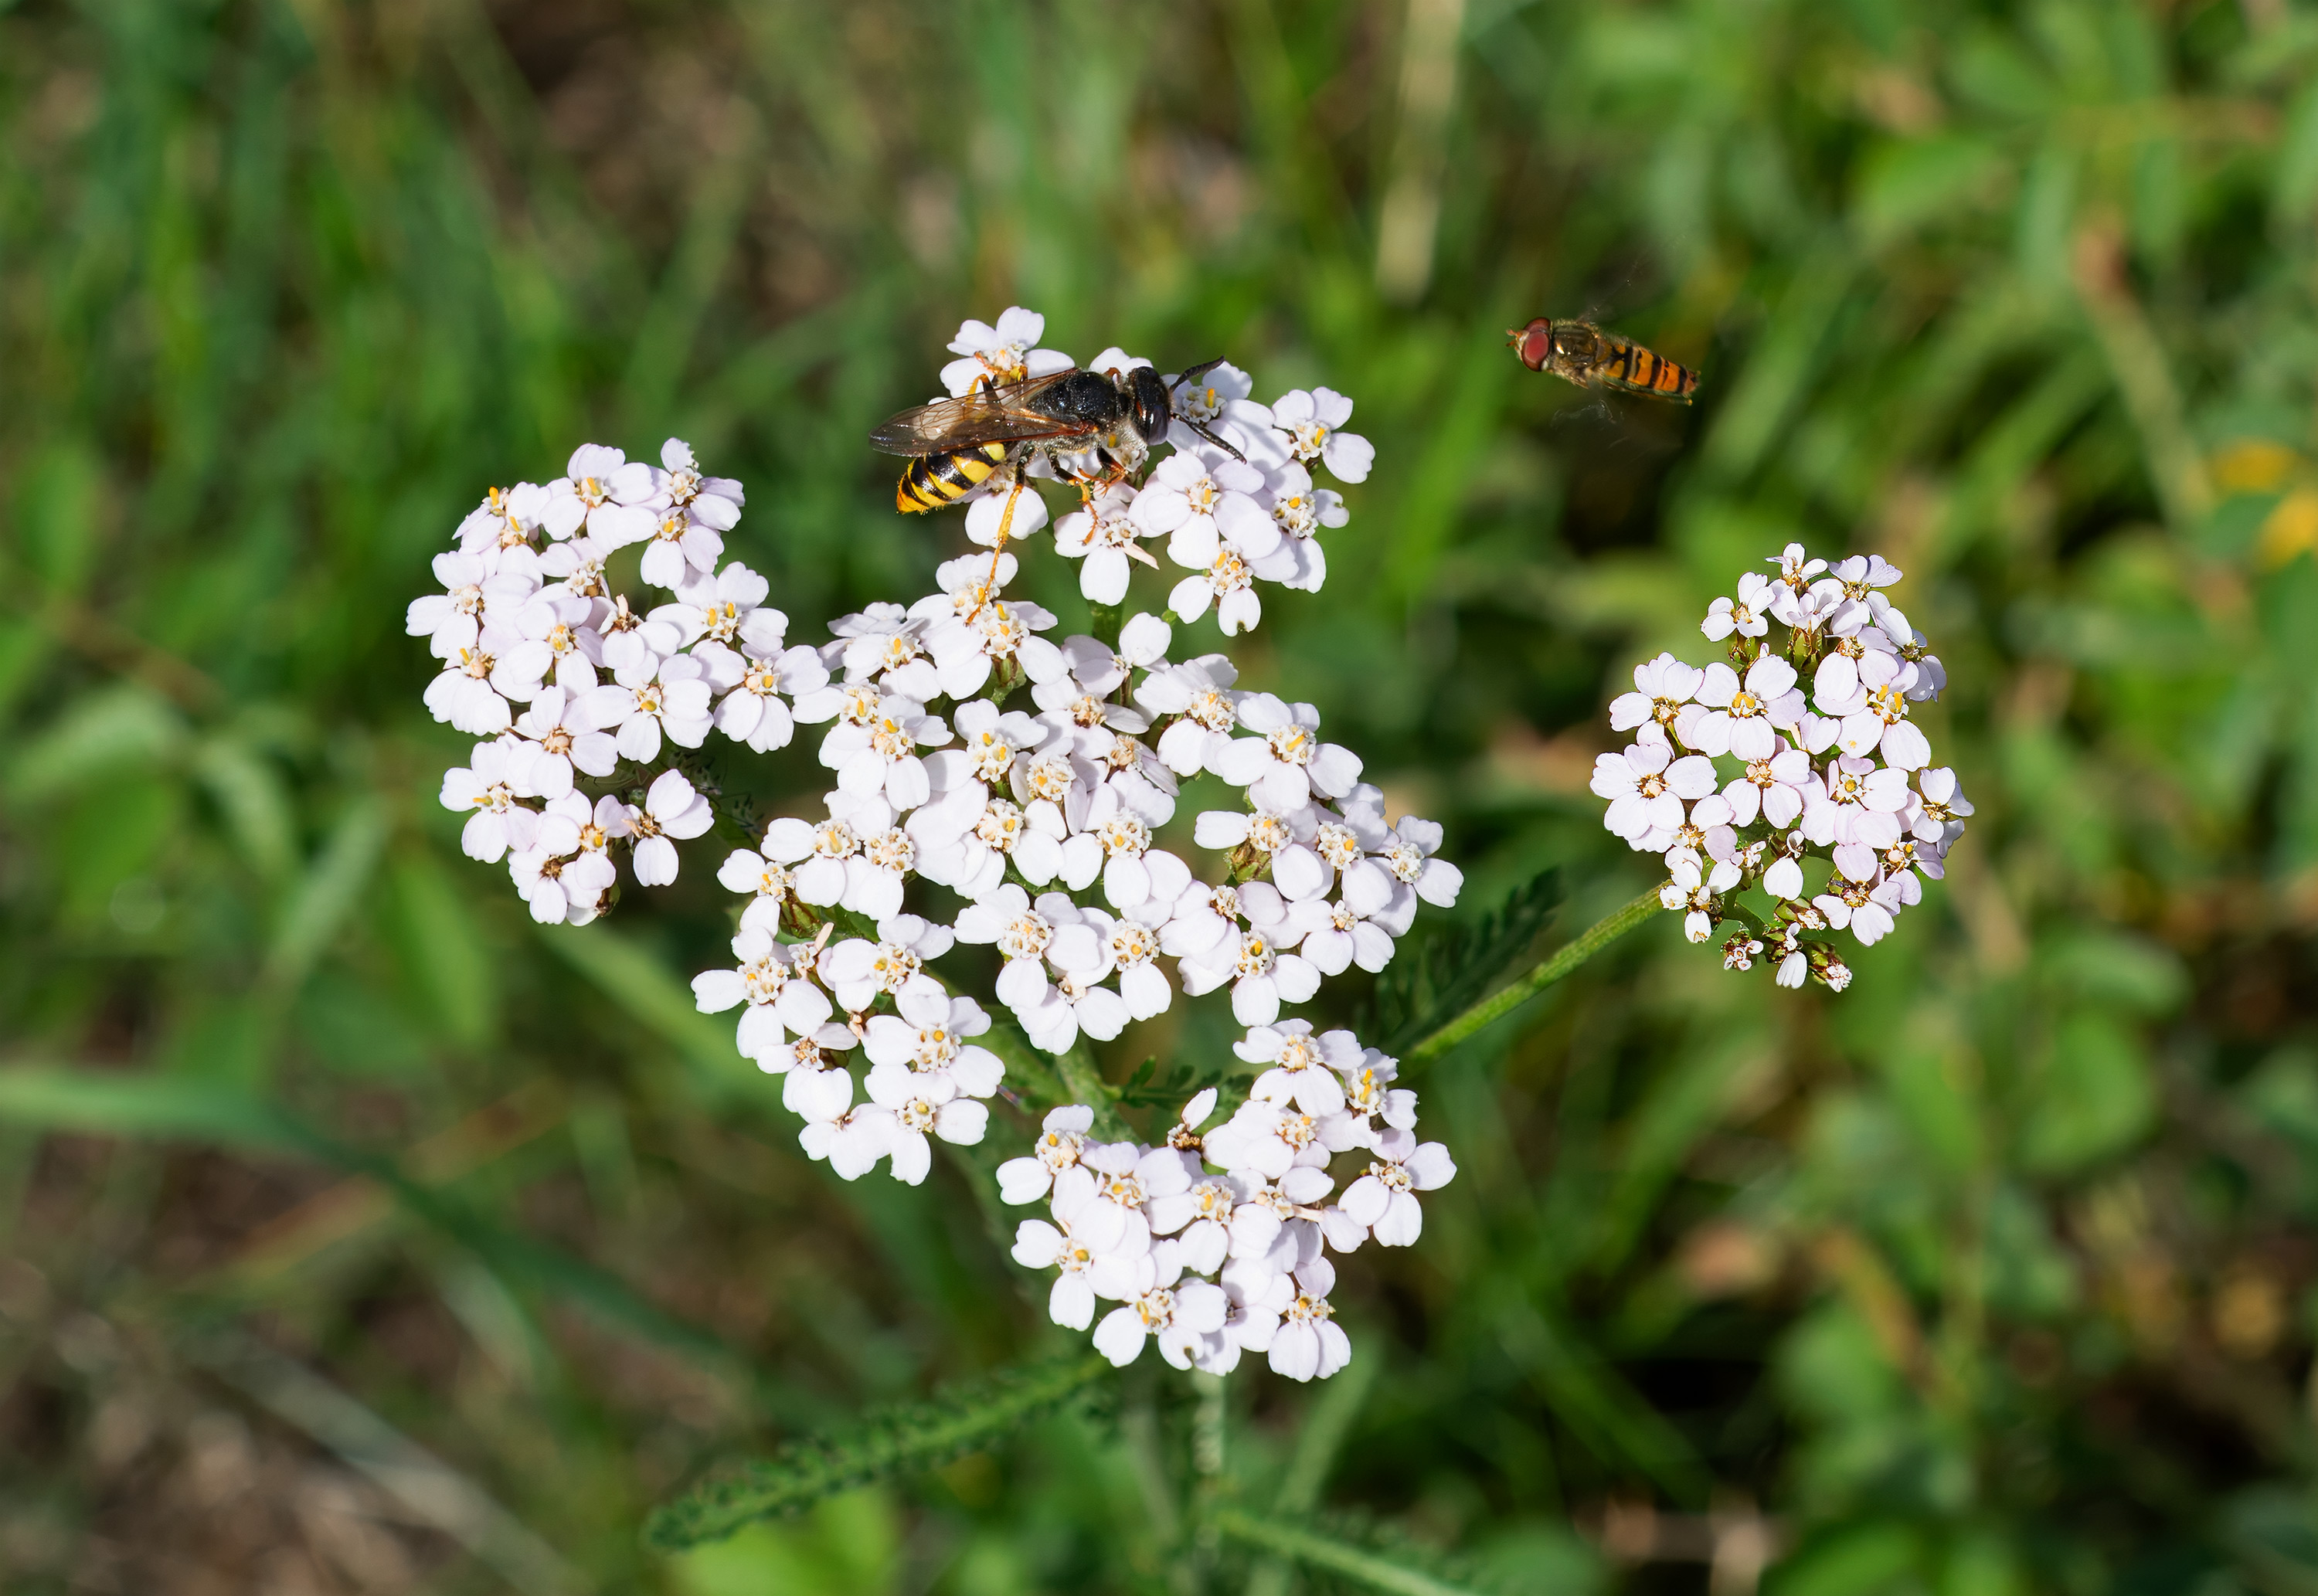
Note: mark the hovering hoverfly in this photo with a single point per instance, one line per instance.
(956, 445)
(1581, 353)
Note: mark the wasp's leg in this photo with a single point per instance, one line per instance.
(998, 551)
(1111, 472)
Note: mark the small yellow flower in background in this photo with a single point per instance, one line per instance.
(2261, 465)
(2290, 529)
(2251, 465)
(2249, 1313)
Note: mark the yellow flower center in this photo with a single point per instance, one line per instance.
(765, 978)
(1212, 710)
(1254, 954)
(1051, 778)
(891, 850)
(1292, 745)
(1026, 936)
(1001, 826)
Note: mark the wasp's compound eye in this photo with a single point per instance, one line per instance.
(1152, 404)
(1533, 343)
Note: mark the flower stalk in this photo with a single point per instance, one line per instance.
(1562, 962)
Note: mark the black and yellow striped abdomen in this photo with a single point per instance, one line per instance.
(1632, 367)
(933, 480)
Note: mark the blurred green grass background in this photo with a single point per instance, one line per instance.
(1994, 1274)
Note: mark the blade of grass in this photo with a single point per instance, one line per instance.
(113, 1103)
(633, 978)
(357, 1203)
(434, 1493)
(97, 1103)
(1317, 1442)
(1609, 1415)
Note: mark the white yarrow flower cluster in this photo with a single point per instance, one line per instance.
(525, 620)
(1794, 768)
(1215, 1243)
(991, 782)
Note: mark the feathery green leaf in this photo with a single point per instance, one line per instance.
(965, 1418)
(1430, 985)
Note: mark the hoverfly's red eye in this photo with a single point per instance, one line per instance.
(1533, 343)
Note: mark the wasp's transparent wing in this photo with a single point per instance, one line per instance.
(989, 415)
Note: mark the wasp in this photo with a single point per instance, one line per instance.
(1093, 428)
(1581, 353)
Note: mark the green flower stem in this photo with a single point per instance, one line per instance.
(1105, 620)
(1210, 1427)
(1030, 1073)
(1521, 990)
(1341, 1558)
(1083, 1082)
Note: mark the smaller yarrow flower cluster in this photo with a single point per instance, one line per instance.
(1215, 1243)
(1794, 767)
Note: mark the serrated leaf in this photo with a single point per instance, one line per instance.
(884, 1443)
(1445, 973)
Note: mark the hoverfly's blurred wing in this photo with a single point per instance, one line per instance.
(985, 415)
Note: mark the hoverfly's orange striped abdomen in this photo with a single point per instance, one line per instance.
(1638, 371)
(1676, 382)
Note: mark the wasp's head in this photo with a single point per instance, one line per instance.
(1533, 343)
(1211, 410)
(1148, 405)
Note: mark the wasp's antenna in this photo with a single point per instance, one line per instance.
(1202, 428)
(1192, 375)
